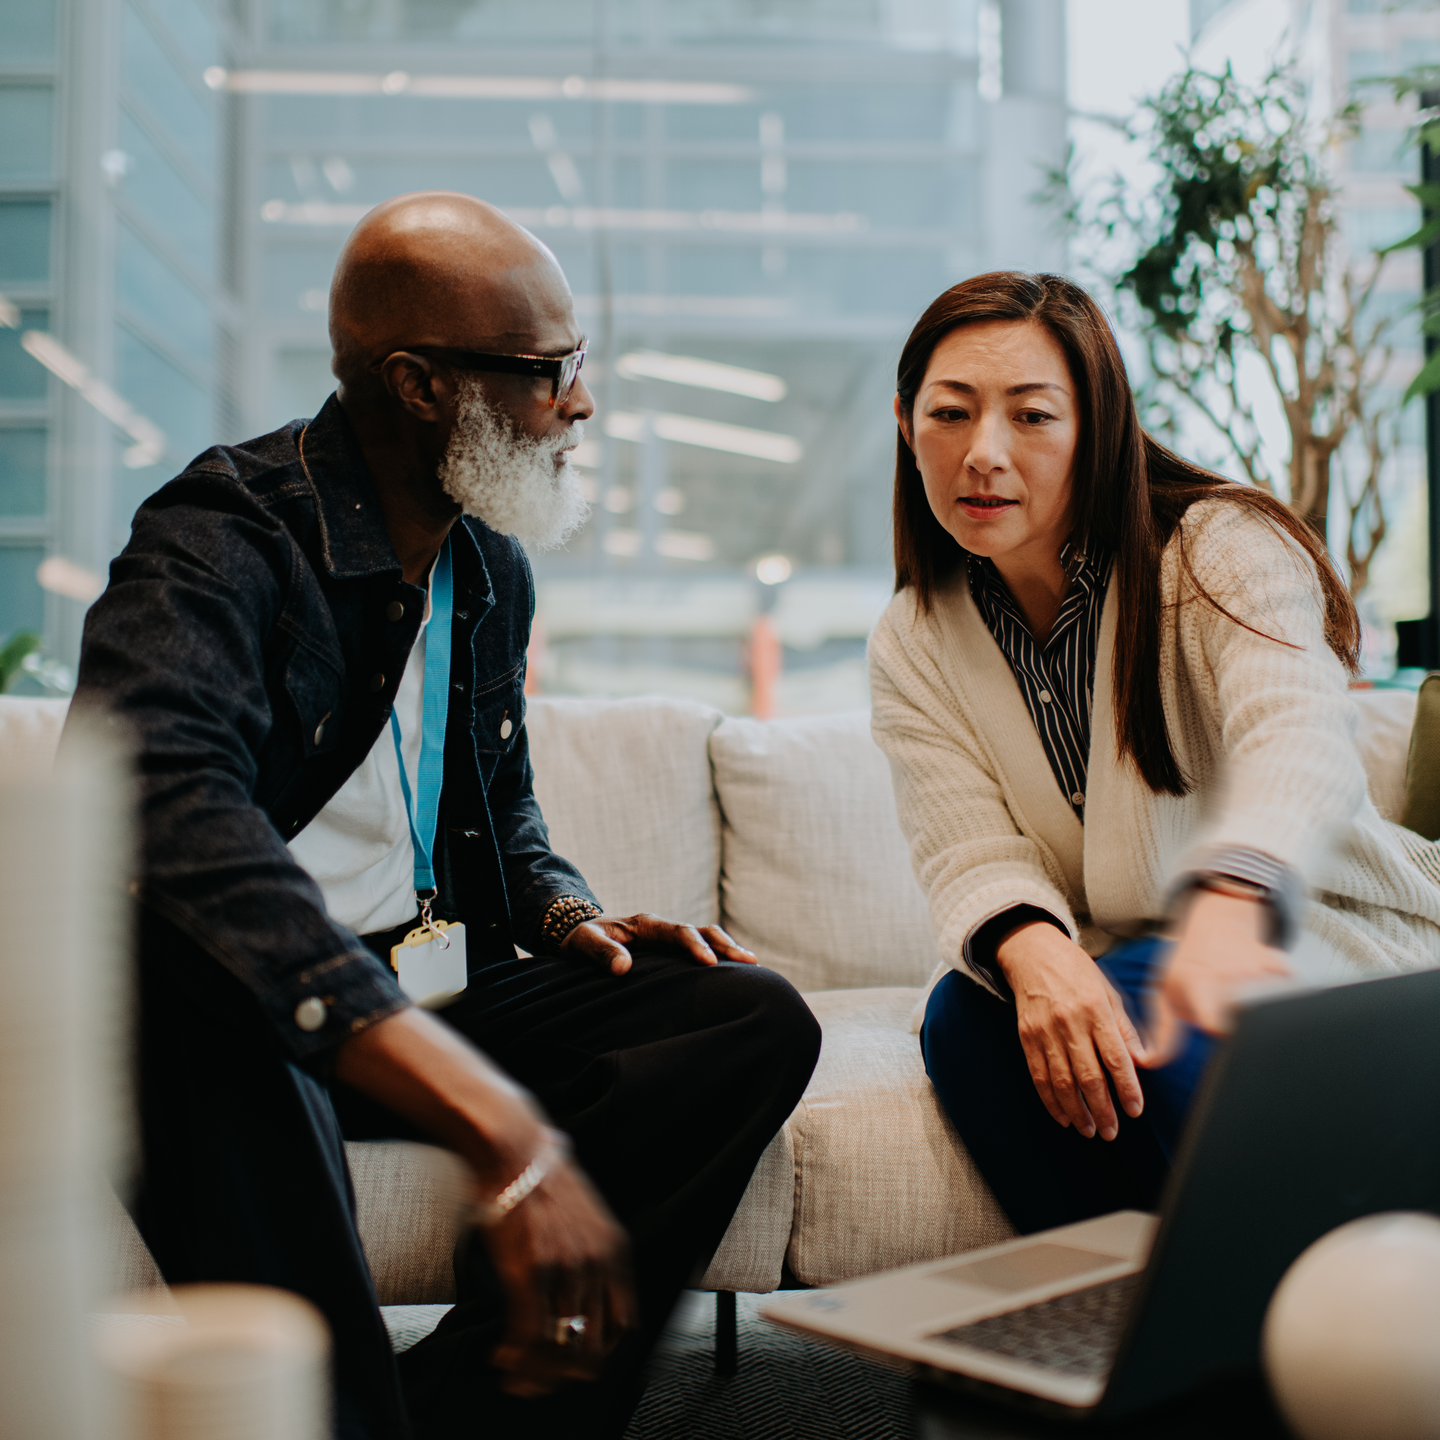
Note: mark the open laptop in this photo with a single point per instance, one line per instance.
(1322, 1106)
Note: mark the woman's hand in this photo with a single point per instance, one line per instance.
(1074, 1029)
(1218, 954)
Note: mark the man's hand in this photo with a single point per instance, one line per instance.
(559, 1252)
(1074, 1029)
(1218, 954)
(603, 941)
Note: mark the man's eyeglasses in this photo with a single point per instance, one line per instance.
(561, 370)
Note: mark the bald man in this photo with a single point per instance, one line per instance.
(264, 636)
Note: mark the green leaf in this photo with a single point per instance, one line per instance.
(1427, 381)
(12, 656)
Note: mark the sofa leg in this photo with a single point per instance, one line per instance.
(727, 1344)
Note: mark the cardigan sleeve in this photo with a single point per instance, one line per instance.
(970, 857)
(1291, 781)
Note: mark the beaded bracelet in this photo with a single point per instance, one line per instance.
(563, 915)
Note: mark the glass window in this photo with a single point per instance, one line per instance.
(155, 295)
(172, 399)
(22, 471)
(1419, 50)
(1375, 227)
(191, 25)
(295, 280)
(301, 383)
(159, 194)
(29, 30)
(21, 376)
(1369, 65)
(24, 241)
(1383, 151)
(22, 602)
(26, 127)
(176, 102)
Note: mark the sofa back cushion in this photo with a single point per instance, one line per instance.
(626, 792)
(29, 732)
(816, 874)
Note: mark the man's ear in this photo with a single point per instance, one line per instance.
(410, 379)
(902, 419)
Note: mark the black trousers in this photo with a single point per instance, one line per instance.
(670, 1080)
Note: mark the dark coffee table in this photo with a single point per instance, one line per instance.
(1234, 1410)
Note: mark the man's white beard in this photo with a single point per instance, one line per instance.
(509, 480)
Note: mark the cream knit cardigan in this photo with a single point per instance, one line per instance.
(1265, 732)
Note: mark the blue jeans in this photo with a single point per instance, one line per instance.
(1042, 1174)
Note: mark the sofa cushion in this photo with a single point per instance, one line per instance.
(1383, 739)
(752, 1253)
(409, 1204)
(626, 792)
(816, 874)
(881, 1176)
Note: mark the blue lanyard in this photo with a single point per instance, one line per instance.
(431, 774)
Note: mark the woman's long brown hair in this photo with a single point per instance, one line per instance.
(1130, 495)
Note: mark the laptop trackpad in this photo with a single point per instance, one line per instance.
(1040, 1264)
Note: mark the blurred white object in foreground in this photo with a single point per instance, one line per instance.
(216, 1362)
(63, 973)
(1352, 1336)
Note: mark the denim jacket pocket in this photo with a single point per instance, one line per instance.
(499, 713)
(313, 686)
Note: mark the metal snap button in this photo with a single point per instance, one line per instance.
(377, 682)
(395, 611)
(505, 728)
(310, 1014)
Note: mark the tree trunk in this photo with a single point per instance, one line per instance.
(1310, 484)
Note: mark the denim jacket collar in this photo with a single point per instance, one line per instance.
(354, 540)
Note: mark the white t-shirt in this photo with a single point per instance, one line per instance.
(358, 848)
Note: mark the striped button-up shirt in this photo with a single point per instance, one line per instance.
(1055, 678)
(1057, 681)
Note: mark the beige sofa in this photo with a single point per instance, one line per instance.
(784, 832)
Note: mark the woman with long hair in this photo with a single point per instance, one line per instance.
(1113, 691)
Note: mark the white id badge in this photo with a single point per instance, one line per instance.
(430, 962)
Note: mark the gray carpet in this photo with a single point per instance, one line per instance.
(785, 1388)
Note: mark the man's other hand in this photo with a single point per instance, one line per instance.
(603, 941)
(560, 1254)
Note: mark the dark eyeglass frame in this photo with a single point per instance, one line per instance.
(561, 370)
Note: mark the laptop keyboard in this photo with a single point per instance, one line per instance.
(1077, 1333)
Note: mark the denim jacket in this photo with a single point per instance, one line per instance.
(252, 639)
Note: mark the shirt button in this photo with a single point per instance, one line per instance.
(377, 682)
(1044, 697)
(505, 728)
(310, 1014)
(394, 611)
(1078, 798)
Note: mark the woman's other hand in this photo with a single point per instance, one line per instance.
(1219, 953)
(1074, 1029)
